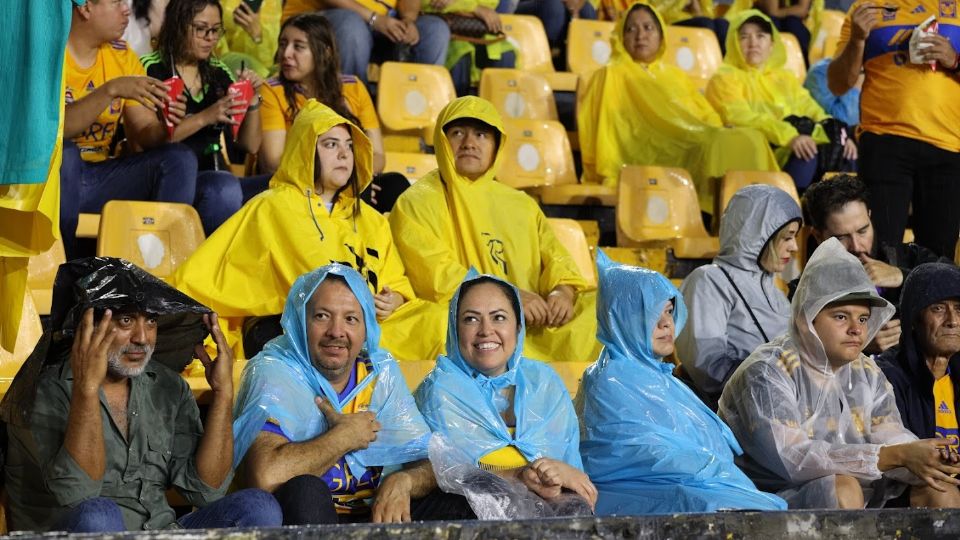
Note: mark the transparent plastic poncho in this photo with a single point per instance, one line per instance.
(281, 383)
(800, 421)
(648, 443)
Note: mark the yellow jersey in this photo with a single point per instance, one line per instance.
(296, 7)
(944, 413)
(275, 111)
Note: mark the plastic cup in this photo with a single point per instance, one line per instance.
(176, 88)
(243, 90)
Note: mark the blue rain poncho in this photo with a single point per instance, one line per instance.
(463, 405)
(648, 443)
(281, 383)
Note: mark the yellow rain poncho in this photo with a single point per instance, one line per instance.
(237, 45)
(633, 113)
(246, 268)
(762, 97)
(446, 223)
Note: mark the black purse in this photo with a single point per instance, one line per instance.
(471, 29)
(830, 154)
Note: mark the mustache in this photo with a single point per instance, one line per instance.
(131, 347)
(336, 343)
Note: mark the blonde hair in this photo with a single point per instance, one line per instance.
(768, 255)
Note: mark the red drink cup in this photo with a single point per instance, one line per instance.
(244, 91)
(176, 88)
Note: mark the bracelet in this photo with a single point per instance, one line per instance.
(372, 19)
(253, 107)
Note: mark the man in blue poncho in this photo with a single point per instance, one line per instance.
(324, 416)
(648, 443)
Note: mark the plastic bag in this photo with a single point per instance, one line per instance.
(493, 497)
(927, 28)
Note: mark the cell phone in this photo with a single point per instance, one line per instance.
(254, 5)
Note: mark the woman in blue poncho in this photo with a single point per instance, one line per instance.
(648, 443)
(509, 414)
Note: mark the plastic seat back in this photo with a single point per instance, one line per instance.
(588, 46)
(795, 61)
(155, 236)
(41, 271)
(572, 237)
(538, 154)
(412, 96)
(824, 44)
(413, 166)
(733, 181)
(518, 94)
(529, 38)
(27, 337)
(656, 204)
(695, 51)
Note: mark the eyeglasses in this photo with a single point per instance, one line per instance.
(207, 32)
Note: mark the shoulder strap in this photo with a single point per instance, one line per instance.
(747, 305)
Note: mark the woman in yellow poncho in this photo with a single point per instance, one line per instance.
(311, 216)
(695, 13)
(640, 110)
(752, 89)
(459, 216)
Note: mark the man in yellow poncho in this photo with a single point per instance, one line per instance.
(752, 89)
(306, 219)
(640, 110)
(459, 216)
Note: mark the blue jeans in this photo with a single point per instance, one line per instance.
(219, 195)
(357, 42)
(554, 16)
(92, 515)
(167, 173)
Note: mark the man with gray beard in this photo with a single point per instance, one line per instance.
(101, 425)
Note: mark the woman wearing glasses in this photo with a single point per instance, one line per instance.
(190, 31)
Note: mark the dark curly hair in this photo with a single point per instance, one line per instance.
(828, 196)
(176, 34)
(141, 9)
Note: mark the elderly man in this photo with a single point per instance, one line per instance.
(816, 417)
(99, 428)
(325, 420)
(838, 209)
(925, 369)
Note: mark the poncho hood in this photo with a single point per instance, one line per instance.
(926, 284)
(734, 56)
(752, 217)
(474, 108)
(619, 51)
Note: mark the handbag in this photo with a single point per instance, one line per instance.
(470, 29)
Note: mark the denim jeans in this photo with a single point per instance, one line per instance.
(554, 16)
(167, 173)
(93, 515)
(219, 196)
(357, 42)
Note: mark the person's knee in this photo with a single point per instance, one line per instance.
(354, 40)
(927, 497)
(255, 508)
(434, 40)
(98, 515)
(305, 484)
(849, 492)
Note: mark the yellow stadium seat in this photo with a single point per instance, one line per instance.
(27, 338)
(518, 94)
(588, 46)
(88, 226)
(528, 37)
(824, 44)
(537, 154)
(795, 61)
(570, 373)
(414, 371)
(413, 166)
(412, 96)
(571, 236)
(658, 206)
(695, 51)
(153, 235)
(41, 272)
(733, 181)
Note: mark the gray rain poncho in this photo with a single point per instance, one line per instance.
(720, 331)
(800, 422)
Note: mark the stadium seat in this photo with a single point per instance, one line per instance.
(518, 94)
(695, 51)
(528, 37)
(155, 236)
(537, 154)
(27, 338)
(413, 166)
(414, 371)
(571, 373)
(417, 93)
(571, 236)
(795, 61)
(733, 181)
(41, 272)
(658, 206)
(588, 46)
(824, 44)
(88, 226)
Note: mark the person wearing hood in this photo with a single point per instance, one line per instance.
(510, 414)
(101, 424)
(648, 443)
(753, 89)
(311, 216)
(816, 417)
(924, 369)
(735, 306)
(324, 418)
(641, 110)
(459, 216)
